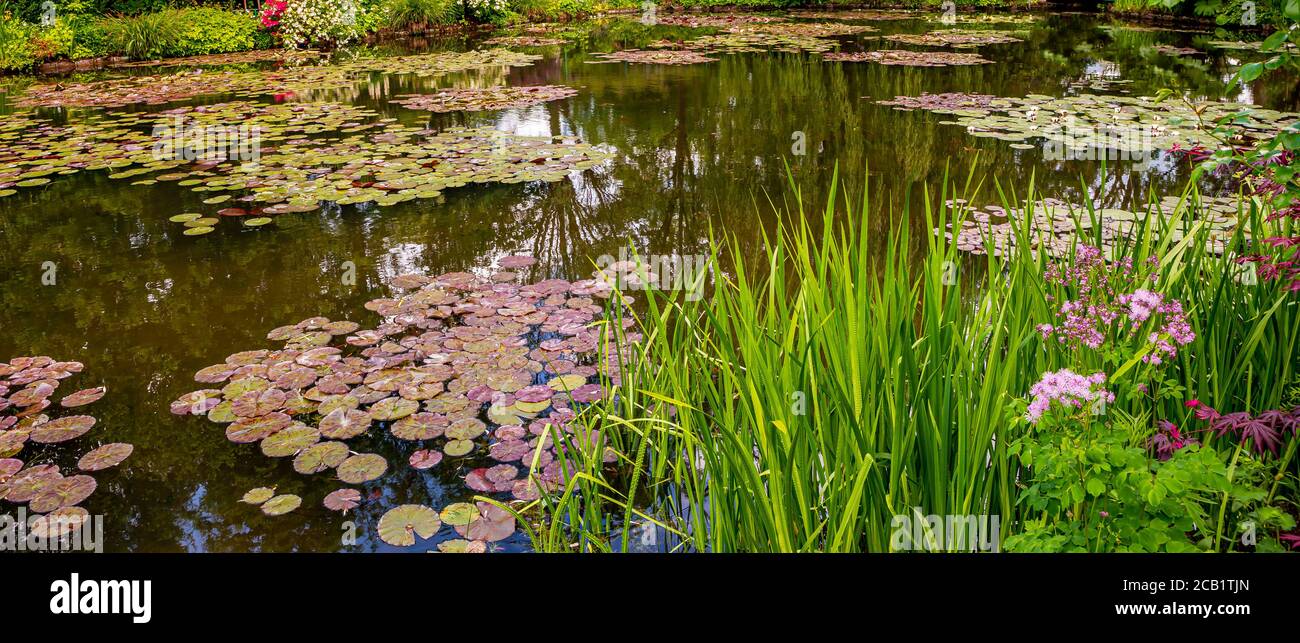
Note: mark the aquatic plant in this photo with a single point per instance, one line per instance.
(907, 58)
(957, 38)
(456, 367)
(27, 387)
(489, 98)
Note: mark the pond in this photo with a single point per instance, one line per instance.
(94, 270)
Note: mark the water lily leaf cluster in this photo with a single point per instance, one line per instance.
(32, 418)
(714, 21)
(651, 57)
(288, 56)
(524, 41)
(948, 102)
(908, 58)
(1130, 124)
(860, 14)
(1051, 226)
(484, 99)
(956, 38)
(308, 153)
(479, 369)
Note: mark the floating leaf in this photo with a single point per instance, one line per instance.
(459, 513)
(342, 500)
(362, 468)
(289, 441)
(105, 456)
(457, 448)
(425, 459)
(393, 408)
(83, 397)
(62, 493)
(258, 495)
(62, 429)
(400, 525)
(319, 457)
(462, 546)
(281, 504)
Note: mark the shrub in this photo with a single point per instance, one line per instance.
(407, 14)
(211, 31)
(149, 35)
(493, 11)
(16, 51)
(319, 23)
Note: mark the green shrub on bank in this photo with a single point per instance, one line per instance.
(16, 50)
(418, 14)
(212, 31)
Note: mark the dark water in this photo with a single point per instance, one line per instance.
(696, 147)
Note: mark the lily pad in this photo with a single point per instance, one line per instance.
(362, 468)
(83, 397)
(459, 513)
(425, 459)
(319, 457)
(400, 525)
(258, 496)
(62, 429)
(105, 456)
(281, 504)
(63, 493)
(342, 500)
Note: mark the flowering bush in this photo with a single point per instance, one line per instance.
(1102, 310)
(487, 10)
(1093, 486)
(271, 12)
(1068, 389)
(318, 23)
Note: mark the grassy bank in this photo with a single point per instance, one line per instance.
(836, 389)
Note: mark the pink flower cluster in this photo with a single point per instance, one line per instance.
(271, 12)
(1085, 321)
(1067, 388)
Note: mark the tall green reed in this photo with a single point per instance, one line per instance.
(841, 381)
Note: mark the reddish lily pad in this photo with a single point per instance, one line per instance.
(105, 456)
(342, 500)
(62, 429)
(83, 397)
(425, 459)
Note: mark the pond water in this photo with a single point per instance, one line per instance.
(693, 147)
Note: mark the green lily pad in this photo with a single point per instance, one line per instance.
(258, 496)
(400, 525)
(281, 505)
(362, 468)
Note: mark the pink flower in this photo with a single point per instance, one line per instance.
(1068, 389)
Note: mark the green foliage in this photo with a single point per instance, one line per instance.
(207, 30)
(174, 32)
(416, 14)
(148, 35)
(1092, 486)
(16, 50)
